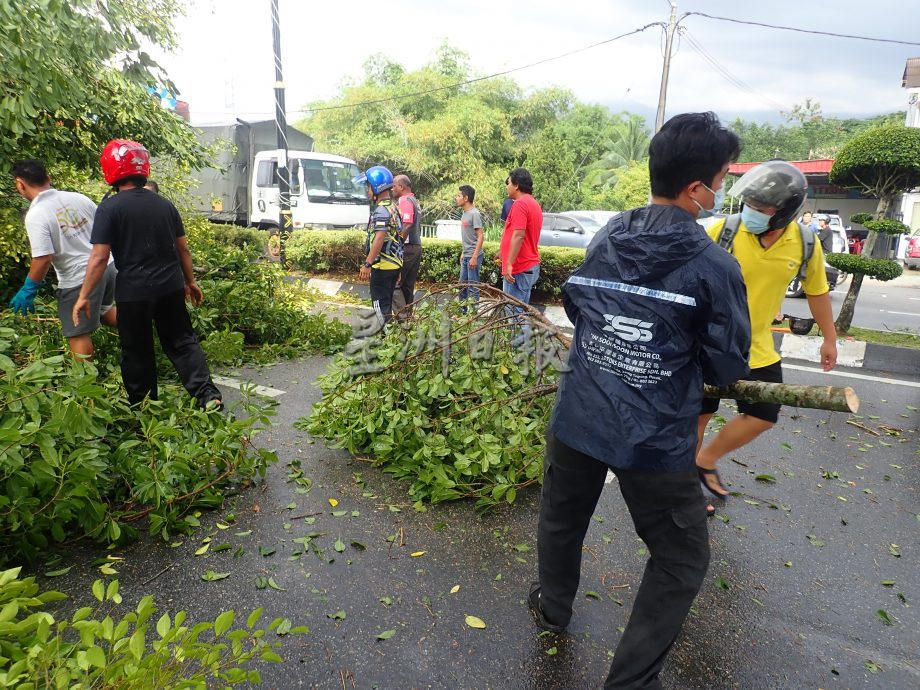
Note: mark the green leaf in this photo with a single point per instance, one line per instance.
(884, 617)
(386, 634)
(254, 618)
(223, 622)
(284, 627)
(765, 478)
(337, 616)
(211, 576)
(163, 625)
(815, 541)
(887, 583)
(339, 545)
(552, 651)
(99, 590)
(592, 595)
(58, 573)
(95, 657)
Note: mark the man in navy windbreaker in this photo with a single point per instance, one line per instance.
(658, 309)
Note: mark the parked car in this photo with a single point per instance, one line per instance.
(912, 255)
(572, 228)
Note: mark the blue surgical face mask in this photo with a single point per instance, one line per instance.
(755, 221)
(718, 199)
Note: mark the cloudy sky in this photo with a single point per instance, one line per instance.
(224, 67)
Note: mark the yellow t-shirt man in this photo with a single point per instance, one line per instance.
(767, 273)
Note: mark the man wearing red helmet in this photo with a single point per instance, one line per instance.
(144, 233)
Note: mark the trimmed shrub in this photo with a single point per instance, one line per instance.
(880, 269)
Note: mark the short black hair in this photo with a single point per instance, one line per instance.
(521, 177)
(31, 171)
(689, 147)
(468, 192)
(133, 180)
(154, 187)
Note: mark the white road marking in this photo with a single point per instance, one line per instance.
(900, 313)
(609, 478)
(915, 299)
(846, 374)
(327, 287)
(264, 391)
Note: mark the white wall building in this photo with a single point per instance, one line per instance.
(910, 203)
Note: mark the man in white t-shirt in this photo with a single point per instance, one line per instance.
(59, 226)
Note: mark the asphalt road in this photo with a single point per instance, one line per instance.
(891, 306)
(790, 601)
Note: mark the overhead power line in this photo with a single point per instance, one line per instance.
(478, 79)
(731, 78)
(803, 31)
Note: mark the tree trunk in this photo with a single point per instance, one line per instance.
(847, 309)
(832, 398)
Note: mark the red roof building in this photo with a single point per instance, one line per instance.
(821, 166)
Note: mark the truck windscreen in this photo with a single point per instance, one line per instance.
(328, 182)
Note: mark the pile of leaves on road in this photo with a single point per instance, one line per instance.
(76, 460)
(445, 402)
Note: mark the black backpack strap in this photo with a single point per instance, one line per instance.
(729, 230)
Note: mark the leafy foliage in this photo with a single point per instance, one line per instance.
(65, 103)
(343, 252)
(135, 652)
(248, 313)
(443, 410)
(472, 134)
(807, 134)
(14, 253)
(883, 161)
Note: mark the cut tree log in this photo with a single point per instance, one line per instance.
(835, 398)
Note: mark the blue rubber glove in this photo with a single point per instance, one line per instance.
(23, 302)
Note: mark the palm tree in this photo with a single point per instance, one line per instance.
(628, 144)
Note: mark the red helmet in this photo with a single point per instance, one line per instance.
(123, 158)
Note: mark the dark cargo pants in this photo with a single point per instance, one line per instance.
(669, 514)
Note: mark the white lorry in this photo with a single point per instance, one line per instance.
(243, 189)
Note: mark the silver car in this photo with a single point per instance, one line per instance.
(572, 228)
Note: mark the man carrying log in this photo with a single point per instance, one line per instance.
(771, 249)
(658, 309)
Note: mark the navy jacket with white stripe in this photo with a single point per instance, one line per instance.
(658, 309)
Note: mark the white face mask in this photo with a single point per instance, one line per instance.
(717, 201)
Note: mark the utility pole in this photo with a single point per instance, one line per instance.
(285, 222)
(669, 41)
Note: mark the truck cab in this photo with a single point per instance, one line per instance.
(322, 193)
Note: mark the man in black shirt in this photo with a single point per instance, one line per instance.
(144, 234)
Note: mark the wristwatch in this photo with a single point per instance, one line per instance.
(366, 265)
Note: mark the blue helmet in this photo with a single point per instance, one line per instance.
(379, 178)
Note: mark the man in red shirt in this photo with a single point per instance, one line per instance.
(519, 255)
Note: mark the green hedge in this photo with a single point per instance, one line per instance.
(880, 269)
(343, 252)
